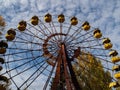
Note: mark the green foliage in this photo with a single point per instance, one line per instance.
(90, 73)
(118, 88)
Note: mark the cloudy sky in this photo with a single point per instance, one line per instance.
(102, 14)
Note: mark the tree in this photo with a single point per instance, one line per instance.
(90, 73)
(4, 82)
(118, 88)
(2, 26)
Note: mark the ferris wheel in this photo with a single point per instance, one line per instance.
(41, 51)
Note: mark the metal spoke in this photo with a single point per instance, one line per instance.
(37, 76)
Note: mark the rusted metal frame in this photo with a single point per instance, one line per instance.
(74, 82)
(73, 76)
(38, 29)
(52, 30)
(57, 74)
(61, 31)
(55, 30)
(49, 77)
(67, 32)
(67, 76)
(45, 27)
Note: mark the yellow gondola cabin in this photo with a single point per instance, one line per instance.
(3, 46)
(11, 31)
(10, 37)
(106, 40)
(117, 75)
(2, 50)
(1, 62)
(113, 53)
(48, 18)
(74, 21)
(61, 18)
(22, 25)
(86, 26)
(107, 43)
(116, 68)
(34, 20)
(10, 34)
(115, 59)
(97, 33)
(114, 84)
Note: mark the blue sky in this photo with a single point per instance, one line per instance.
(102, 14)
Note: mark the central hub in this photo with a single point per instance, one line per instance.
(54, 41)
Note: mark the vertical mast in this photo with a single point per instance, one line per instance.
(65, 78)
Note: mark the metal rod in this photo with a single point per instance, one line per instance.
(67, 76)
(57, 75)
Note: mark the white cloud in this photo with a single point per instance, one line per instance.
(7, 3)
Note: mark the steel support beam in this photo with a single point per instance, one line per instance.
(68, 73)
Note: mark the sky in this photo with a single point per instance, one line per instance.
(102, 14)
